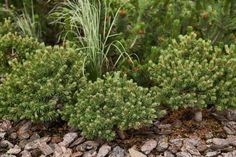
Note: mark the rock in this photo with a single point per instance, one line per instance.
(211, 154)
(202, 147)
(23, 132)
(36, 152)
(56, 139)
(231, 140)
(35, 136)
(13, 136)
(230, 128)
(209, 135)
(162, 144)
(104, 150)
(46, 149)
(7, 155)
(231, 115)
(34, 144)
(135, 153)
(117, 152)
(175, 145)
(2, 135)
(149, 146)
(183, 154)
(91, 153)
(15, 150)
(220, 142)
(23, 143)
(188, 147)
(229, 154)
(77, 154)
(168, 154)
(193, 141)
(6, 144)
(61, 151)
(77, 141)
(198, 116)
(25, 153)
(164, 126)
(5, 126)
(68, 139)
(88, 145)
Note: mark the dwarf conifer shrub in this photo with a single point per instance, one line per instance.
(38, 88)
(109, 104)
(15, 47)
(192, 73)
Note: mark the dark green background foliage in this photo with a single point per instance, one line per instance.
(111, 103)
(192, 73)
(38, 88)
(15, 48)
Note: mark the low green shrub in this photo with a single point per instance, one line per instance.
(38, 88)
(109, 104)
(15, 47)
(7, 26)
(192, 73)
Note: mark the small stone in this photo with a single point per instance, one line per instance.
(13, 135)
(168, 154)
(35, 136)
(175, 145)
(7, 155)
(230, 128)
(6, 144)
(56, 139)
(46, 149)
(91, 153)
(26, 153)
(164, 126)
(183, 154)
(229, 154)
(188, 147)
(202, 147)
(149, 146)
(231, 115)
(2, 135)
(68, 139)
(34, 144)
(220, 142)
(15, 150)
(77, 141)
(104, 150)
(36, 152)
(77, 154)
(23, 143)
(88, 145)
(162, 144)
(209, 135)
(23, 130)
(192, 141)
(61, 151)
(5, 126)
(211, 154)
(135, 153)
(117, 152)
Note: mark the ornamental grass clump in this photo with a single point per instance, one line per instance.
(15, 47)
(38, 88)
(109, 105)
(192, 73)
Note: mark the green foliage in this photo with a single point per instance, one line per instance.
(109, 104)
(7, 26)
(192, 73)
(15, 47)
(85, 24)
(38, 88)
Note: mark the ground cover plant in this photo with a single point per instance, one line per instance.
(108, 66)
